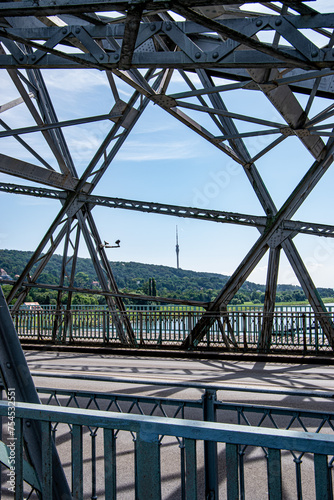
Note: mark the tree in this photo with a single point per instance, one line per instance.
(152, 287)
(82, 280)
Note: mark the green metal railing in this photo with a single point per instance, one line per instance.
(213, 405)
(297, 330)
(146, 475)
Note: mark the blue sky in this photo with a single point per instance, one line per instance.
(163, 161)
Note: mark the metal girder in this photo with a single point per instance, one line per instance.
(26, 146)
(258, 251)
(288, 106)
(106, 278)
(11, 104)
(57, 124)
(270, 209)
(269, 298)
(59, 221)
(15, 374)
(120, 45)
(238, 34)
(101, 264)
(92, 291)
(49, 7)
(287, 227)
(49, 115)
(215, 40)
(25, 170)
(37, 118)
(131, 30)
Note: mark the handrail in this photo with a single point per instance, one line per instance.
(311, 442)
(147, 432)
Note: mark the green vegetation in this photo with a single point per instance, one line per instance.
(146, 279)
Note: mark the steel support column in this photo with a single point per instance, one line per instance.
(269, 298)
(16, 375)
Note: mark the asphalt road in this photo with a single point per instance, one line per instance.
(285, 379)
(228, 373)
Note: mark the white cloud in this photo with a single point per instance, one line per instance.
(153, 127)
(141, 151)
(75, 80)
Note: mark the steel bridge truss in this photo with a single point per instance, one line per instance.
(144, 44)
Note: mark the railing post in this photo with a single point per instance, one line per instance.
(141, 328)
(209, 399)
(159, 342)
(93, 447)
(148, 473)
(232, 472)
(77, 462)
(109, 464)
(245, 331)
(274, 474)
(304, 333)
(322, 477)
(190, 469)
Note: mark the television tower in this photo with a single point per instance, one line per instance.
(177, 250)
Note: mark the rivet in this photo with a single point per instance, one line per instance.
(33, 58)
(116, 57)
(153, 27)
(278, 22)
(168, 26)
(101, 56)
(215, 55)
(77, 30)
(64, 31)
(9, 365)
(28, 423)
(259, 23)
(197, 55)
(21, 58)
(314, 53)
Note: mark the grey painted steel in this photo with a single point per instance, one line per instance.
(213, 41)
(210, 447)
(148, 465)
(206, 52)
(149, 428)
(281, 417)
(289, 226)
(260, 248)
(16, 375)
(110, 464)
(269, 298)
(274, 474)
(322, 444)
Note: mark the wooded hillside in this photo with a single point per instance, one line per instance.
(135, 277)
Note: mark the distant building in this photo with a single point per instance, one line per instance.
(31, 306)
(4, 275)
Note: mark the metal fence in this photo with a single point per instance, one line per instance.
(291, 330)
(122, 446)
